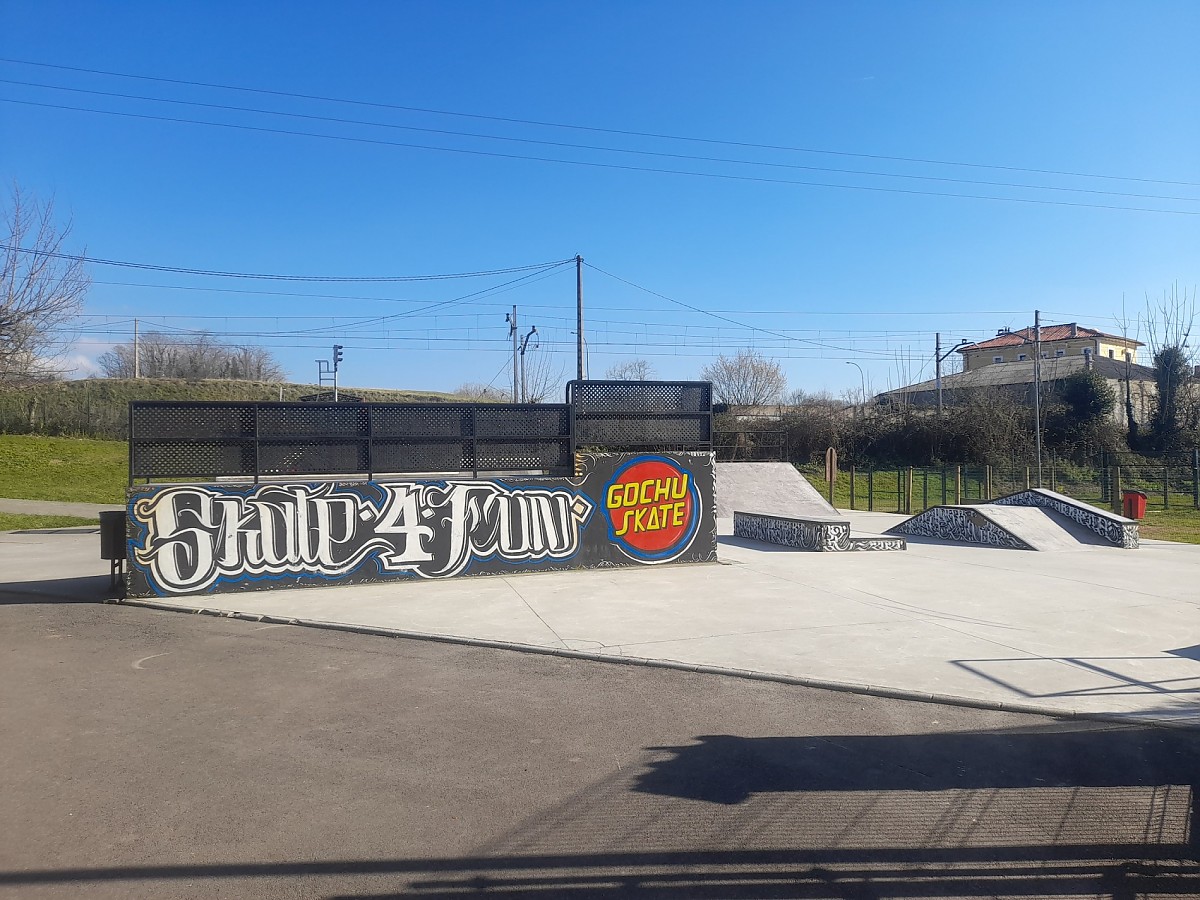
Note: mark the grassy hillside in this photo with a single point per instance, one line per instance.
(98, 407)
(34, 467)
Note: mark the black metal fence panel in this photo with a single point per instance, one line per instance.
(253, 440)
(642, 415)
(622, 510)
(207, 440)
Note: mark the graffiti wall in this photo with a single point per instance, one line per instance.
(623, 510)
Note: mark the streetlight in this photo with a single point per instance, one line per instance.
(862, 379)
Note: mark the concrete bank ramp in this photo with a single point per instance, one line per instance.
(1014, 527)
(772, 488)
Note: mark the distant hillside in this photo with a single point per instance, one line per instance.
(98, 407)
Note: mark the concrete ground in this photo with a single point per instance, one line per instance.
(55, 508)
(1095, 630)
(148, 754)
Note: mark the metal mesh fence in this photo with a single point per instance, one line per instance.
(239, 439)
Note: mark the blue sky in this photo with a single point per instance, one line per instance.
(813, 275)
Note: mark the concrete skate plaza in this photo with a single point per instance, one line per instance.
(1095, 630)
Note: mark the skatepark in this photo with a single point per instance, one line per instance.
(1079, 627)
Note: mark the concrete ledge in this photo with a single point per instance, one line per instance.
(808, 533)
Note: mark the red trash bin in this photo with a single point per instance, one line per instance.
(1135, 504)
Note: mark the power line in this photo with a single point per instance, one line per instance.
(595, 129)
(746, 312)
(601, 165)
(180, 270)
(604, 149)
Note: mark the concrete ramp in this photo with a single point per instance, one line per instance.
(770, 488)
(1014, 527)
(1110, 527)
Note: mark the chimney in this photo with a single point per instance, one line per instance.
(1074, 329)
(1196, 372)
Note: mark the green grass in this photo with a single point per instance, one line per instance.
(33, 467)
(1175, 524)
(20, 521)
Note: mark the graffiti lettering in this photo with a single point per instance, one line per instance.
(192, 537)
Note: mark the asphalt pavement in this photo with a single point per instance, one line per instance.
(152, 754)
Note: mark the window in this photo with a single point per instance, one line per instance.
(1111, 354)
(997, 359)
(1021, 357)
(1058, 353)
(1128, 356)
(1087, 351)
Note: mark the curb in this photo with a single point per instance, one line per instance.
(844, 687)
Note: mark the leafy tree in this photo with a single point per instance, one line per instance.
(1172, 402)
(1083, 409)
(746, 379)
(41, 289)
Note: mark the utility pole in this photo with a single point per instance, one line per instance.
(1037, 390)
(524, 345)
(137, 360)
(937, 368)
(511, 319)
(579, 317)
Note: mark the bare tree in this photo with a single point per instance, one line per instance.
(41, 289)
(1169, 324)
(473, 390)
(630, 370)
(747, 379)
(197, 355)
(543, 375)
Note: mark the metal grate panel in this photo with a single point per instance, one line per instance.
(422, 420)
(181, 440)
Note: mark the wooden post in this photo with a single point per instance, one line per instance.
(958, 484)
(831, 471)
(925, 489)
(870, 490)
(852, 487)
(944, 495)
(908, 486)
(987, 478)
(1027, 478)
(1114, 475)
(1166, 485)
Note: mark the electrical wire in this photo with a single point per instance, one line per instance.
(602, 165)
(604, 149)
(595, 129)
(180, 270)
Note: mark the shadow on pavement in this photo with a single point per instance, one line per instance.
(83, 589)
(1063, 811)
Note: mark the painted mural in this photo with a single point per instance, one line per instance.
(622, 510)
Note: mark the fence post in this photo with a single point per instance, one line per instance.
(1027, 478)
(870, 490)
(899, 491)
(852, 487)
(908, 485)
(987, 476)
(1053, 478)
(1166, 485)
(1114, 475)
(958, 485)
(1196, 477)
(943, 484)
(925, 489)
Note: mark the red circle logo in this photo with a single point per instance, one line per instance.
(652, 508)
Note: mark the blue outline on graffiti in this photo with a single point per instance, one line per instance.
(372, 495)
(680, 546)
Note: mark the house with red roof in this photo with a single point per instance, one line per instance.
(1057, 342)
